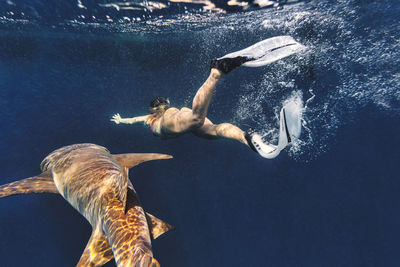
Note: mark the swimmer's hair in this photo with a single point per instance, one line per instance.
(158, 101)
(157, 107)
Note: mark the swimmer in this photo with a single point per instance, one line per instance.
(170, 122)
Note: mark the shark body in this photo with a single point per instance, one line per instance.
(96, 184)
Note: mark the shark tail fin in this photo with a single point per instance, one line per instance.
(130, 160)
(42, 183)
(157, 226)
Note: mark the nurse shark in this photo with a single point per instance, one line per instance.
(96, 183)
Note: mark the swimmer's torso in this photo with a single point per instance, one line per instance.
(167, 126)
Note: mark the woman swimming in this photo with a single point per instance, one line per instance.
(169, 122)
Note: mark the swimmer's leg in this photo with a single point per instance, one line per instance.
(202, 99)
(192, 119)
(250, 138)
(183, 120)
(223, 130)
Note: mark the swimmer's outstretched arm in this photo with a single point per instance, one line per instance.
(117, 119)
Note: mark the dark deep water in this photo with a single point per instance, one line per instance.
(329, 200)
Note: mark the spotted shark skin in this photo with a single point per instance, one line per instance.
(97, 185)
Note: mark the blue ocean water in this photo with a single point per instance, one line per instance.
(331, 199)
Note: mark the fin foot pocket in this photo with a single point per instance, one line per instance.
(226, 65)
(248, 134)
(265, 149)
(256, 143)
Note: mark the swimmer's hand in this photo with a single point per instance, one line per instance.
(116, 118)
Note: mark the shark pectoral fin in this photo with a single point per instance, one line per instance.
(156, 226)
(132, 159)
(43, 183)
(97, 252)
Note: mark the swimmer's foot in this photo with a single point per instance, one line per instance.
(226, 65)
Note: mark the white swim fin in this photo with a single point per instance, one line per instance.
(267, 150)
(267, 51)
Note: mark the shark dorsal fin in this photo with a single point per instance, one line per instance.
(130, 160)
(156, 226)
